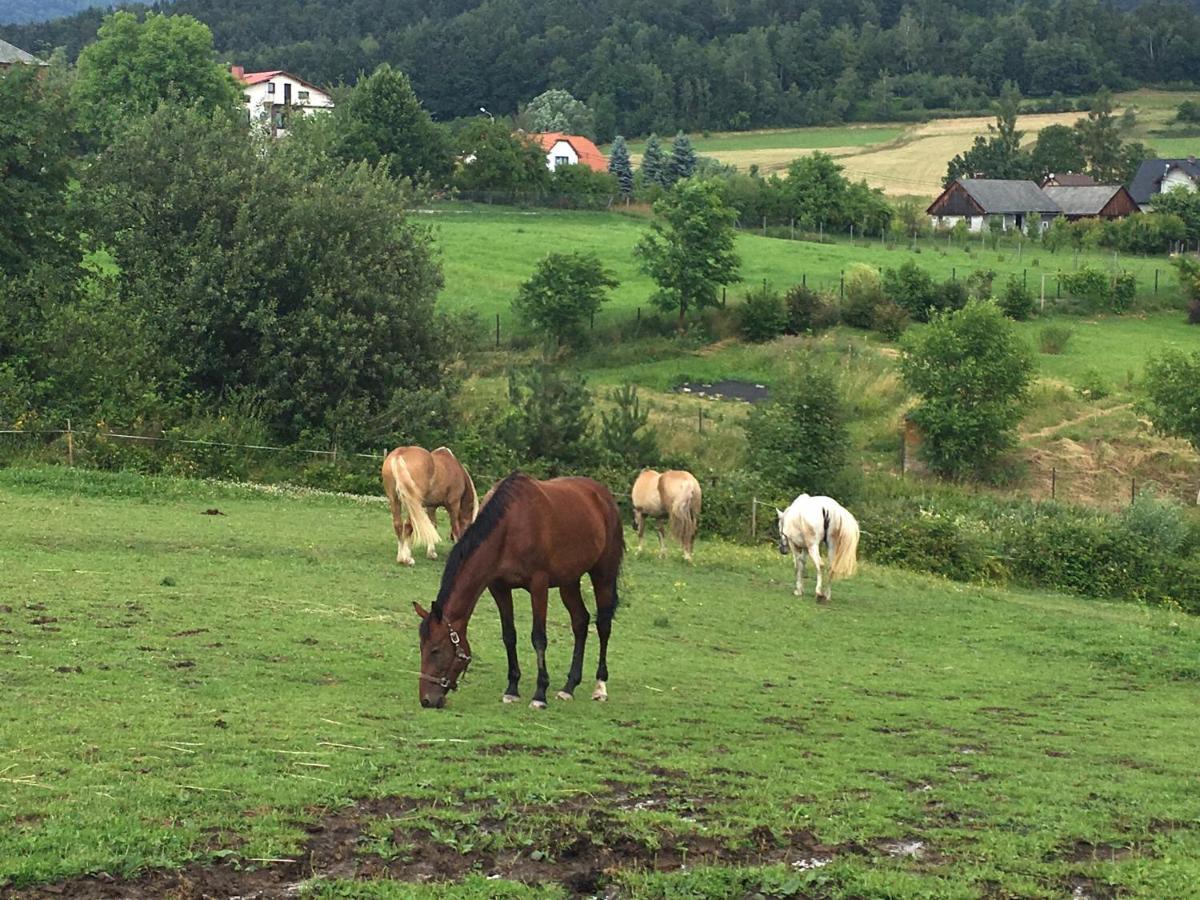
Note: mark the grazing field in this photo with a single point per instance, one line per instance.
(487, 252)
(235, 694)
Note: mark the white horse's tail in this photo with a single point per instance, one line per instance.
(843, 529)
(685, 513)
(411, 500)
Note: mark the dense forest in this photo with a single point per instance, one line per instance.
(661, 65)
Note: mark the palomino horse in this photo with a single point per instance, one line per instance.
(672, 495)
(533, 535)
(808, 522)
(417, 482)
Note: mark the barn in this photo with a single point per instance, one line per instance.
(1015, 204)
(1101, 201)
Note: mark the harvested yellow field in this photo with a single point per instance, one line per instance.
(916, 163)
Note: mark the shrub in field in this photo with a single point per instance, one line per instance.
(891, 320)
(1171, 381)
(625, 435)
(727, 505)
(763, 316)
(863, 293)
(1162, 523)
(799, 440)
(979, 283)
(949, 295)
(911, 288)
(1099, 291)
(549, 418)
(1093, 385)
(1017, 300)
(565, 290)
(971, 371)
(928, 541)
(1053, 339)
(808, 311)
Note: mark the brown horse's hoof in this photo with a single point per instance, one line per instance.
(537, 704)
(510, 698)
(563, 695)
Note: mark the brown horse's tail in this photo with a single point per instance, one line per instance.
(685, 514)
(412, 502)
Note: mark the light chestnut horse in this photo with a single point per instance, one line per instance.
(674, 496)
(417, 482)
(807, 523)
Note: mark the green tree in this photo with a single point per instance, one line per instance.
(133, 66)
(495, 159)
(557, 110)
(998, 155)
(564, 292)
(682, 163)
(339, 344)
(549, 417)
(625, 434)
(799, 440)
(1056, 150)
(384, 121)
(689, 250)
(36, 143)
(1100, 140)
(971, 371)
(621, 167)
(654, 164)
(1170, 402)
(814, 191)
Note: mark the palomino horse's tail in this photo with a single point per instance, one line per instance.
(474, 495)
(410, 498)
(843, 529)
(685, 513)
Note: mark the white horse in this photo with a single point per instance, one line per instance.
(808, 522)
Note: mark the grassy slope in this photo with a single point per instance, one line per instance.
(222, 659)
(488, 252)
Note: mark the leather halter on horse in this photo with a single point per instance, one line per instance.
(444, 681)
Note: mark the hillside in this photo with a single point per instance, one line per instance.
(20, 11)
(651, 66)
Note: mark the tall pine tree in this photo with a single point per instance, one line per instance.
(683, 158)
(620, 166)
(654, 163)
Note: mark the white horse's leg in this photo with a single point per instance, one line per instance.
(814, 550)
(798, 557)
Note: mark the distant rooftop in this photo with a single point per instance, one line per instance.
(10, 55)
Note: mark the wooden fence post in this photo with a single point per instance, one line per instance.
(497, 331)
(70, 445)
(1053, 482)
(754, 520)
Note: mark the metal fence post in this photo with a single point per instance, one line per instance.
(754, 519)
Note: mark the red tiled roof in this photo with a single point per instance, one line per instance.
(258, 77)
(588, 153)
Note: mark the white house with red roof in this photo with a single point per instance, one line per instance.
(570, 150)
(270, 97)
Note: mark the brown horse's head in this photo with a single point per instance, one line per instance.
(445, 655)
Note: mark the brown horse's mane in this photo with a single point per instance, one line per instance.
(491, 515)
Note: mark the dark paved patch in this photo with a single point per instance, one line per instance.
(746, 391)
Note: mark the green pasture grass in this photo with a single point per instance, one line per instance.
(187, 687)
(488, 252)
(815, 138)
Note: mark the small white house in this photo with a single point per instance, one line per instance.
(1158, 176)
(570, 150)
(271, 97)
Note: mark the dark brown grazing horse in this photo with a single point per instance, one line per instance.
(533, 535)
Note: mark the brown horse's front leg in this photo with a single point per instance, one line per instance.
(539, 592)
(504, 603)
(572, 598)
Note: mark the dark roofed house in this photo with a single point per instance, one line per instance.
(15, 56)
(1068, 179)
(1157, 176)
(1100, 201)
(1015, 204)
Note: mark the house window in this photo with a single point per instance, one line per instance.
(270, 87)
(246, 98)
(562, 161)
(303, 95)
